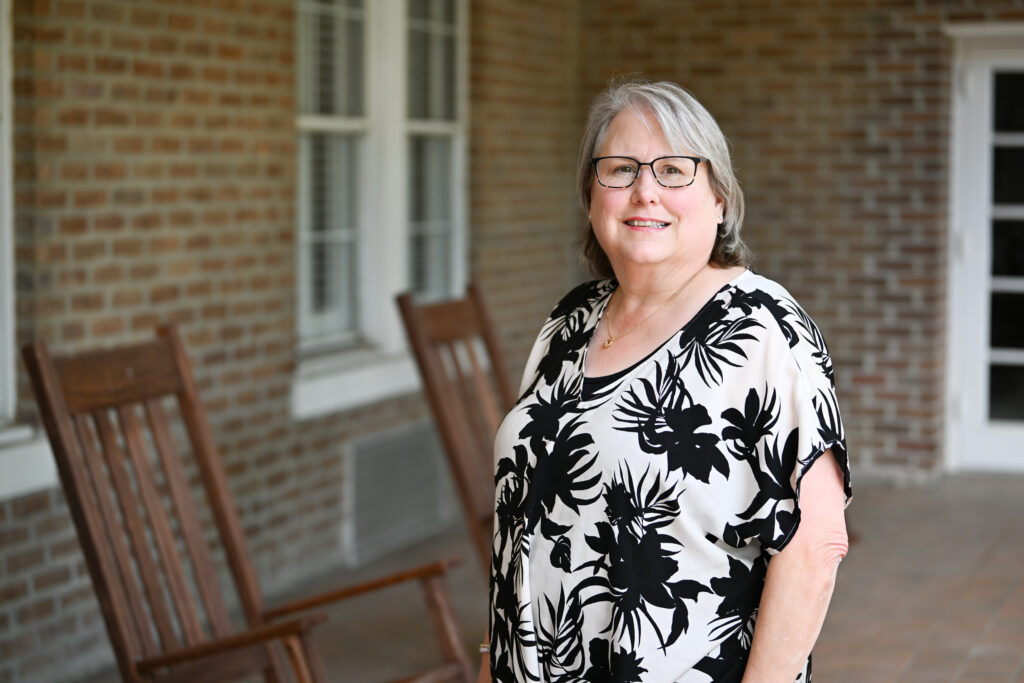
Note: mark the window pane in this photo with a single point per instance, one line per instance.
(1008, 248)
(1008, 175)
(1006, 328)
(1009, 104)
(329, 229)
(331, 59)
(1006, 392)
(418, 74)
(418, 9)
(430, 215)
(431, 66)
(445, 10)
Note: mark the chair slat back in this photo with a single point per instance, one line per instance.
(468, 393)
(129, 494)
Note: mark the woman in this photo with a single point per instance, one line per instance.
(671, 483)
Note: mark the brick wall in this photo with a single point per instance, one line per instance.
(523, 135)
(154, 180)
(838, 114)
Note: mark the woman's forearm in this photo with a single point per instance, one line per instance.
(484, 675)
(799, 582)
(793, 606)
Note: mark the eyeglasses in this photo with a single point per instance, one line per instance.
(618, 172)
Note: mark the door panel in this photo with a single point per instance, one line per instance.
(987, 311)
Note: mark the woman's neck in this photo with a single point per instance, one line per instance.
(644, 288)
(649, 312)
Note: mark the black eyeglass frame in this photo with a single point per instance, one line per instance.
(640, 167)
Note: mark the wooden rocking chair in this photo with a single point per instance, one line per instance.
(139, 527)
(468, 397)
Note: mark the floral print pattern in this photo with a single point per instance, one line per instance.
(635, 521)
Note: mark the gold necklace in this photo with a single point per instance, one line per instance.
(608, 318)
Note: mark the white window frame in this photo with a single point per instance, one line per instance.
(326, 380)
(977, 48)
(8, 388)
(26, 464)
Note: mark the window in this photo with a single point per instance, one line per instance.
(25, 461)
(380, 196)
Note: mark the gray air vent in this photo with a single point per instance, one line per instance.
(398, 490)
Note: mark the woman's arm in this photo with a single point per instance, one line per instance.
(800, 578)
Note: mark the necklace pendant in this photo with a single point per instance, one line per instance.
(608, 343)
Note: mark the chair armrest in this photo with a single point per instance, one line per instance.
(235, 641)
(421, 572)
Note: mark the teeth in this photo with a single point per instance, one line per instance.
(647, 224)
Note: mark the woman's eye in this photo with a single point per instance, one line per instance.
(670, 170)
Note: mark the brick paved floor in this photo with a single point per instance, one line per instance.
(933, 590)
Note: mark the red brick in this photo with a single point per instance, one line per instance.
(108, 12)
(146, 18)
(72, 62)
(128, 41)
(112, 117)
(108, 170)
(105, 275)
(147, 221)
(71, 9)
(110, 65)
(28, 506)
(163, 294)
(77, 596)
(15, 645)
(102, 327)
(35, 611)
(85, 303)
(21, 561)
(163, 44)
(12, 536)
(109, 222)
(48, 579)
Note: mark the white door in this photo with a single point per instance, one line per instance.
(987, 259)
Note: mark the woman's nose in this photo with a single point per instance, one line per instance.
(645, 187)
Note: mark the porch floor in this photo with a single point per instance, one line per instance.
(932, 590)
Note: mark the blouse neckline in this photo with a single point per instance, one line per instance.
(597, 313)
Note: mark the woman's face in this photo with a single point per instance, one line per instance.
(646, 224)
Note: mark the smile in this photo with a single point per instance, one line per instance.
(636, 223)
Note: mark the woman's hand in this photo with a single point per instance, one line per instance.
(485, 670)
(799, 582)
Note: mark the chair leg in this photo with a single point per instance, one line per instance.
(445, 626)
(297, 657)
(316, 665)
(274, 673)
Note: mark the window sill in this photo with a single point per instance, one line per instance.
(26, 462)
(331, 384)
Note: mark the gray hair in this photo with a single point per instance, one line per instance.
(688, 128)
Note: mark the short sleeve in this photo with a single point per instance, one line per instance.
(800, 381)
(559, 340)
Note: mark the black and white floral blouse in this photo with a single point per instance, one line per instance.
(635, 513)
